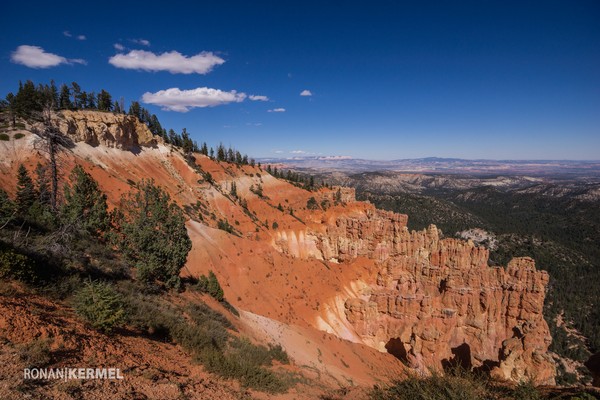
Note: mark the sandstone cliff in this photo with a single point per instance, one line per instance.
(101, 128)
(435, 302)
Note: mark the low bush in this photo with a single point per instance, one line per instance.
(435, 387)
(15, 265)
(4, 137)
(206, 334)
(456, 384)
(209, 284)
(100, 305)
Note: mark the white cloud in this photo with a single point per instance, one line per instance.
(278, 151)
(174, 99)
(78, 37)
(253, 123)
(119, 46)
(254, 97)
(306, 92)
(298, 152)
(143, 42)
(36, 57)
(277, 110)
(173, 61)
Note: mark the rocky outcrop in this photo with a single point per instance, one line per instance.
(436, 302)
(368, 234)
(102, 128)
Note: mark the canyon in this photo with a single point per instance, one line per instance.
(346, 289)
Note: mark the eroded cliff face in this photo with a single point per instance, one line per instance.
(435, 302)
(101, 128)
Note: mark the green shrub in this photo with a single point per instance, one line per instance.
(16, 265)
(18, 136)
(526, 391)
(210, 285)
(456, 384)
(277, 352)
(202, 285)
(205, 334)
(201, 314)
(245, 362)
(312, 204)
(4, 137)
(214, 287)
(100, 305)
(435, 387)
(224, 225)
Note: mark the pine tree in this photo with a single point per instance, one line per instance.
(91, 101)
(26, 193)
(312, 204)
(12, 107)
(221, 152)
(104, 101)
(54, 95)
(77, 96)
(27, 100)
(152, 234)
(134, 109)
(85, 205)
(7, 207)
(64, 101)
(83, 100)
(154, 126)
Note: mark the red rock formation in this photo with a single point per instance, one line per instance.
(436, 302)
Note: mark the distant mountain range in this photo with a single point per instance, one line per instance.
(443, 165)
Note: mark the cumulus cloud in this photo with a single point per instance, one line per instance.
(277, 110)
(67, 33)
(143, 42)
(173, 61)
(298, 152)
(119, 46)
(174, 99)
(81, 37)
(36, 57)
(254, 97)
(305, 92)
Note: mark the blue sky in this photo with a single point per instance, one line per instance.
(388, 80)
